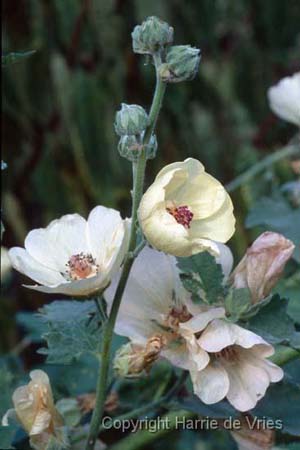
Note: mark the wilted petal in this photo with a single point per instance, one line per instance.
(263, 264)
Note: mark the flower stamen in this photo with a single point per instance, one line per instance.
(81, 266)
(182, 214)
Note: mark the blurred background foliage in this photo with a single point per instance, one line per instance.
(59, 104)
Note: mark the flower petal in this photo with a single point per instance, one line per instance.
(26, 264)
(210, 384)
(106, 232)
(220, 334)
(54, 245)
(248, 384)
(199, 322)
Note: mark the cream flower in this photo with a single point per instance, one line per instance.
(34, 408)
(218, 354)
(72, 255)
(284, 99)
(185, 210)
(263, 264)
(5, 264)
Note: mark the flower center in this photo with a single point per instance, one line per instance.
(182, 214)
(82, 265)
(228, 354)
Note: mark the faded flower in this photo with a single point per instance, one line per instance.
(224, 359)
(34, 408)
(284, 99)
(263, 264)
(72, 255)
(185, 210)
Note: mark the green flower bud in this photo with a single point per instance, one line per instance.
(151, 36)
(131, 120)
(130, 147)
(182, 63)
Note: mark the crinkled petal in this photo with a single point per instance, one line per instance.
(23, 262)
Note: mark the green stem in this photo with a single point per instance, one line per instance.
(109, 328)
(260, 166)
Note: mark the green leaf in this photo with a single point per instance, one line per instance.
(237, 302)
(290, 288)
(73, 329)
(282, 402)
(276, 214)
(32, 324)
(12, 58)
(273, 323)
(202, 276)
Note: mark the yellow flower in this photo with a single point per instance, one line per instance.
(34, 408)
(185, 210)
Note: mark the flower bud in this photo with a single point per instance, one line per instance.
(131, 120)
(133, 360)
(182, 63)
(151, 36)
(130, 147)
(263, 264)
(254, 437)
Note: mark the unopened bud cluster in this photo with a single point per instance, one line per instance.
(152, 36)
(173, 64)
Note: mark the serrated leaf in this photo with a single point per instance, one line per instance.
(237, 302)
(273, 323)
(73, 329)
(14, 57)
(204, 270)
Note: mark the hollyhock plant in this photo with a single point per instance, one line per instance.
(284, 99)
(185, 210)
(224, 359)
(72, 255)
(35, 410)
(270, 252)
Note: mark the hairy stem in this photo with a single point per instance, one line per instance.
(138, 183)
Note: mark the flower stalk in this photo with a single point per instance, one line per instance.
(138, 183)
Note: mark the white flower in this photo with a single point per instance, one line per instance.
(5, 264)
(185, 210)
(34, 408)
(237, 367)
(284, 99)
(72, 255)
(224, 359)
